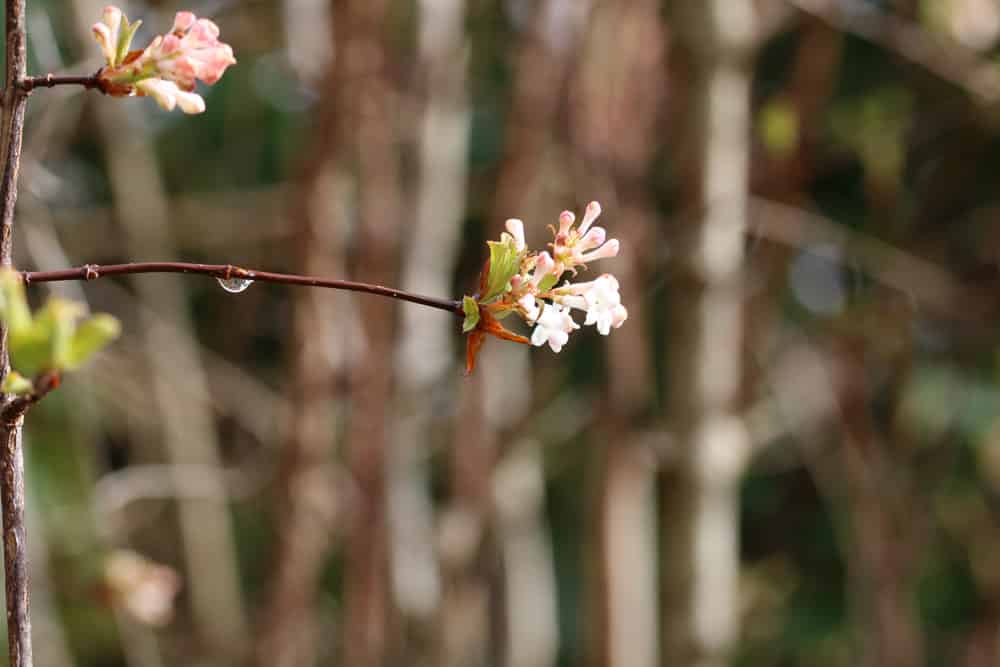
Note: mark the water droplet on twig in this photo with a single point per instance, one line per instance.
(234, 285)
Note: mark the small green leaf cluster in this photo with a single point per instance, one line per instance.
(54, 339)
(505, 263)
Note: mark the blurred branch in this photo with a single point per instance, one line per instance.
(15, 547)
(229, 272)
(946, 59)
(116, 490)
(893, 267)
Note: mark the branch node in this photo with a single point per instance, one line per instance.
(91, 272)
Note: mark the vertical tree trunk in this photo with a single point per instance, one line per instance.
(363, 27)
(15, 546)
(701, 485)
(306, 495)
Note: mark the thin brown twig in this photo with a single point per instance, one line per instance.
(231, 272)
(92, 82)
(15, 548)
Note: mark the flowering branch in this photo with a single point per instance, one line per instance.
(518, 281)
(235, 278)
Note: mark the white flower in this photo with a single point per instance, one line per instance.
(529, 306)
(168, 95)
(553, 326)
(599, 298)
(604, 304)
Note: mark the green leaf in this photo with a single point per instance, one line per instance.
(60, 317)
(471, 309)
(15, 383)
(548, 282)
(13, 304)
(92, 336)
(505, 262)
(31, 351)
(778, 127)
(125, 34)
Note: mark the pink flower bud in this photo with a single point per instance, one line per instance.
(609, 249)
(591, 239)
(516, 229)
(183, 22)
(190, 52)
(566, 220)
(589, 216)
(543, 267)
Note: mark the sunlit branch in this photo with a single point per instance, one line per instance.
(230, 272)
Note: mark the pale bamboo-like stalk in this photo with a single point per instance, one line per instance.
(426, 360)
(700, 501)
(625, 53)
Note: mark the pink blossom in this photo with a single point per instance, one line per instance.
(169, 67)
(191, 51)
(544, 266)
(585, 243)
(107, 32)
(609, 249)
(516, 229)
(591, 214)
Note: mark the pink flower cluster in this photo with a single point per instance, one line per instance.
(533, 293)
(168, 68)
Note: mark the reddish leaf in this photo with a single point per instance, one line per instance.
(472, 345)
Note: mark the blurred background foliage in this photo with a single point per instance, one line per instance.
(311, 475)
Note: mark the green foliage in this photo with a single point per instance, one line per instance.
(547, 283)
(778, 127)
(471, 309)
(505, 261)
(53, 339)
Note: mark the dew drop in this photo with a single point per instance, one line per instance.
(234, 285)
